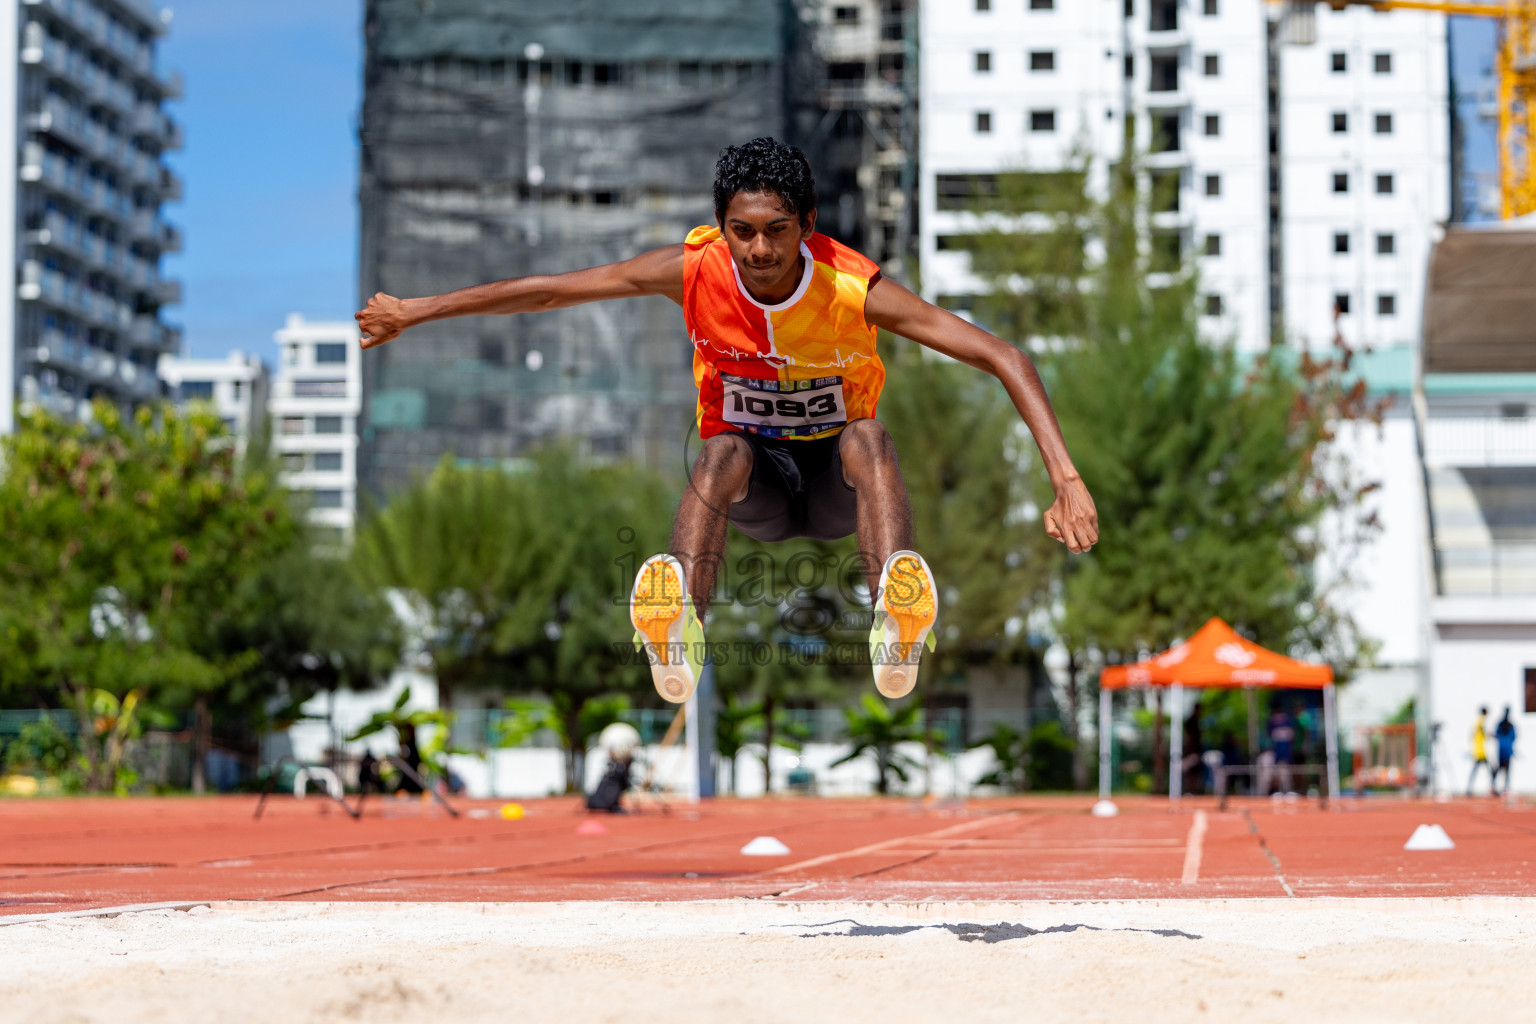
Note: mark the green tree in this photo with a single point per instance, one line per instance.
(124, 538)
(875, 728)
(516, 580)
(1210, 470)
(468, 552)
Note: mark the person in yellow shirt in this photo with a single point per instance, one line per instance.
(1479, 749)
(783, 323)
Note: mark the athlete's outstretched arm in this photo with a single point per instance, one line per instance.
(658, 272)
(1072, 518)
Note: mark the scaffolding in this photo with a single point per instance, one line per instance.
(500, 140)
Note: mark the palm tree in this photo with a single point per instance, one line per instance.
(876, 730)
(733, 721)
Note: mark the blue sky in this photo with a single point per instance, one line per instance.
(269, 168)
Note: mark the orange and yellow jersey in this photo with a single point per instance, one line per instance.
(799, 369)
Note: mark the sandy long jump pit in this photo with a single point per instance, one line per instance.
(882, 911)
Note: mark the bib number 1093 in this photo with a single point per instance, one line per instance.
(784, 408)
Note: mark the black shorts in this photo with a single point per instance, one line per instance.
(797, 490)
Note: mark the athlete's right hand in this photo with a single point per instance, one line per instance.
(381, 320)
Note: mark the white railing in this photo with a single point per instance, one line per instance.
(1506, 568)
(1480, 441)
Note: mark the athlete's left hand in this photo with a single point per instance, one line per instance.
(1072, 519)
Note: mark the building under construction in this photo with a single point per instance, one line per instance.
(503, 139)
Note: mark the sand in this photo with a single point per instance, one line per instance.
(748, 961)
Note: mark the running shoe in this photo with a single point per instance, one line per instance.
(906, 608)
(667, 628)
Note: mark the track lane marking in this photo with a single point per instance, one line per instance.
(889, 845)
(1194, 848)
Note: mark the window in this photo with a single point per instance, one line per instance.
(1383, 184)
(1042, 5)
(1042, 120)
(291, 354)
(1386, 305)
(1212, 65)
(492, 351)
(1383, 124)
(293, 424)
(1341, 243)
(1340, 122)
(331, 352)
(983, 61)
(1042, 60)
(238, 389)
(1165, 75)
(1163, 16)
(1386, 244)
(1210, 9)
(1340, 62)
(1530, 691)
(850, 15)
(1213, 184)
(983, 122)
(327, 424)
(319, 389)
(1212, 124)
(1382, 63)
(1213, 305)
(1341, 304)
(293, 462)
(328, 462)
(326, 499)
(1130, 66)
(197, 391)
(1213, 245)
(1341, 182)
(983, 5)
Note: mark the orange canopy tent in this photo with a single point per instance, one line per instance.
(1214, 657)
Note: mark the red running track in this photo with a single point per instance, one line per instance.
(81, 854)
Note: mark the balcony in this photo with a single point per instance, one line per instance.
(1480, 441)
(56, 173)
(95, 366)
(148, 332)
(1500, 569)
(146, 226)
(52, 288)
(91, 22)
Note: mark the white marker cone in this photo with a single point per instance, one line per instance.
(1105, 809)
(1429, 837)
(765, 846)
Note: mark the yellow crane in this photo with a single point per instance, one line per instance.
(1517, 84)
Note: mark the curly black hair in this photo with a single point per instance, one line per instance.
(765, 165)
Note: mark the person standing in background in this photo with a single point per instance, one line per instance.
(1504, 742)
(1479, 748)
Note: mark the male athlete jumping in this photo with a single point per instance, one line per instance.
(783, 324)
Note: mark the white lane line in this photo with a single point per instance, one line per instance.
(888, 844)
(1194, 848)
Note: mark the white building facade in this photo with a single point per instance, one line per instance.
(1365, 173)
(317, 394)
(236, 386)
(1305, 172)
(81, 187)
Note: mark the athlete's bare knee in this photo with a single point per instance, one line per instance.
(723, 465)
(866, 444)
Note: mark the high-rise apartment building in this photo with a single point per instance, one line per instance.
(1304, 169)
(80, 196)
(316, 398)
(1365, 175)
(501, 140)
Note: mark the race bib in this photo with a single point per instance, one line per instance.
(790, 408)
